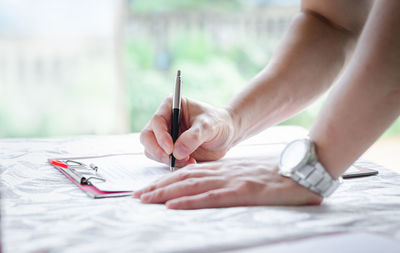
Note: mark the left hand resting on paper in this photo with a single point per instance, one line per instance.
(226, 184)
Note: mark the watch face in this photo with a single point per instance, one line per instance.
(293, 155)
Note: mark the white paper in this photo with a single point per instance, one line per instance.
(125, 172)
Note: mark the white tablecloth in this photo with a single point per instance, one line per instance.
(42, 211)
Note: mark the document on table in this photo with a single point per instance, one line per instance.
(126, 172)
(113, 175)
(110, 175)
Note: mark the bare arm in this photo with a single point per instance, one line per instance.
(312, 53)
(366, 99)
(308, 60)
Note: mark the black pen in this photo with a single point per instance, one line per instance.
(176, 108)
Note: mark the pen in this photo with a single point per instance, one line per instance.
(176, 107)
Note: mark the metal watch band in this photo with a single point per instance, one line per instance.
(316, 178)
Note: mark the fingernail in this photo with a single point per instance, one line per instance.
(166, 148)
(137, 194)
(145, 197)
(172, 204)
(184, 159)
(191, 160)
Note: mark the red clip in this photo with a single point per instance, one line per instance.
(59, 164)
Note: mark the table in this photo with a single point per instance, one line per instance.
(42, 211)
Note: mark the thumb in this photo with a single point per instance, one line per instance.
(200, 132)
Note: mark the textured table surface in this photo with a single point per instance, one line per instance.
(42, 211)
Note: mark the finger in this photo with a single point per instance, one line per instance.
(160, 125)
(210, 166)
(152, 149)
(178, 164)
(185, 162)
(187, 187)
(200, 132)
(150, 156)
(165, 107)
(173, 178)
(224, 197)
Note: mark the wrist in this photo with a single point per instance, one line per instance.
(299, 162)
(235, 122)
(327, 152)
(301, 195)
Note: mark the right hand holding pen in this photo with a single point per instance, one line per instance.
(206, 133)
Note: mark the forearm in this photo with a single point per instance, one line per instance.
(304, 66)
(366, 100)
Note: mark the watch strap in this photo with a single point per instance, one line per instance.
(316, 178)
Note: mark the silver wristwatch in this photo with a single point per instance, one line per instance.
(299, 162)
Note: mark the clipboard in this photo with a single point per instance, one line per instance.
(111, 175)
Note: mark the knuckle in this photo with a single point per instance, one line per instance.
(157, 119)
(151, 188)
(185, 203)
(193, 183)
(158, 194)
(183, 175)
(212, 195)
(144, 135)
(195, 135)
(205, 125)
(245, 186)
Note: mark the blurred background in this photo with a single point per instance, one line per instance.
(74, 67)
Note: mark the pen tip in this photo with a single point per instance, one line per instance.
(178, 73)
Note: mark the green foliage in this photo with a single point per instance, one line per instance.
(210, 73)
(141, 6)
(192, 46)
(142, 49)
(394, 129)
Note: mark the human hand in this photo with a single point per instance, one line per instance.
(206, 133)
(226, 184)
